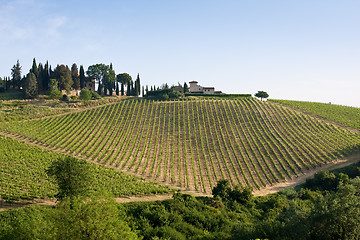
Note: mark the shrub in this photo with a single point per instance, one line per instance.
(85, 94)
(95, 95)
(55, 94)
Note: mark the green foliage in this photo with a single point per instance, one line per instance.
(91, 218)
(73, 177)
(261, 95)
(31, 86)
(349, 116)
(97, 217)
(325, 180)
(63, 76)
(85, 94)
(95, 95)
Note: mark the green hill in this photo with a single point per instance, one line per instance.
(348, 116)
(194, 143)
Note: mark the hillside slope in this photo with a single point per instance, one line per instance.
(192, 144)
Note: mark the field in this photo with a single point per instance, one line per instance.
(194, 143)
(23, 174)
(348, 116)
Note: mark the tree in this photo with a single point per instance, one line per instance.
(63, 76)
(99, 72)
(16, 74)
(54, 91)
(34, 69)
(124, 79)
(82, 77)
(117, 89)
(137, 85)
(31, 86)
(97, 217)
(186, 88)
(75, 76)
(73, 177)
(261, 95)
(40, 77)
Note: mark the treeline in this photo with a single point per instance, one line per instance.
(41, 79)
(316, 211)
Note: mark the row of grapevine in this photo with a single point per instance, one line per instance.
(194, 143)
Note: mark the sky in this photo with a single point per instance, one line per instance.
(297, 50)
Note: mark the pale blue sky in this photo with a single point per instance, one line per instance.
(301, 50)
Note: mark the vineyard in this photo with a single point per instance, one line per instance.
(349, 116)
(23, 174)
(194, 143)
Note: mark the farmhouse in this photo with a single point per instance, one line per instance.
(196, 88)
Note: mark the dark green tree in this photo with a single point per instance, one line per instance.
(186, 88)
(124, 79)
(137, 85)
(34, 68)
(63, 76)
(261, 95)
(75, 76)
(31, 86)
(101, 74)
(46, 76)
(82, 77)
(73, 177)
(16, 75)
(40, 78)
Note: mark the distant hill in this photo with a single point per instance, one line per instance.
(194, 143)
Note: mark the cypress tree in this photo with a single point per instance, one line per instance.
(82, 77)
(137, 85)
(75, 76)
(40, 78)
(16, 74)
(34, 69)
(46, 76)
(31, 85)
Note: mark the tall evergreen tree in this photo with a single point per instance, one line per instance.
(82, 77)
(75, 76)
(63, 76)
(34, 68)
(30, 88)
(137, 85)
(186, 88)
(16, 75)
(46, 76)
(40, 78)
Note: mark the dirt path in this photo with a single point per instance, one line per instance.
(302, 178)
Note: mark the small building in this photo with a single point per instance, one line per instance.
(179, 89)
(196, 88)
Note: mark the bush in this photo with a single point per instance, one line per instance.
(95, 95)
(55, 94)
(85, 94)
